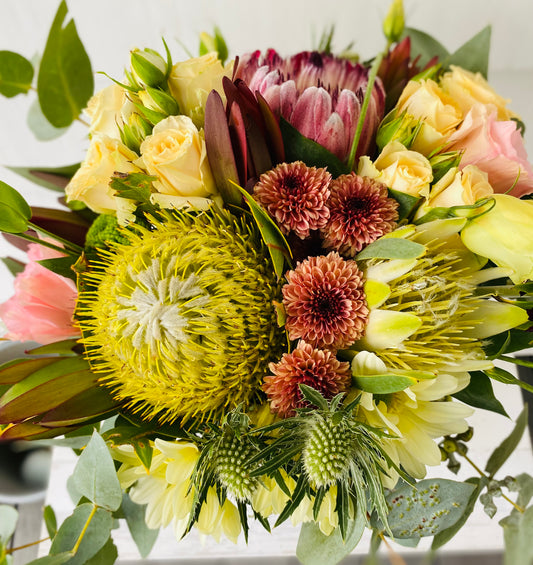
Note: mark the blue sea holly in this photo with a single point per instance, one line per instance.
(181, 321)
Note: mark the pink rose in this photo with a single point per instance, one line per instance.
(42, 307)
(496, 147)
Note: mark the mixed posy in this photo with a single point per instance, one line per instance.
(279, 290)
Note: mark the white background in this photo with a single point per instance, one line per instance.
(109, 28)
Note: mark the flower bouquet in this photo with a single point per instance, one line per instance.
(276, 290)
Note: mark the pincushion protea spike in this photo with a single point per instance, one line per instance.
(319, 94)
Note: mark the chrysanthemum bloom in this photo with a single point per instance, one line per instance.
(305, 365)
(319, 94)
(325, 302)
(182, 321)
(360, 212)
(295, 196)
(166, 490)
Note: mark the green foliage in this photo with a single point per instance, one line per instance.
(13, 266)
(143, 536)
(41, 128)
(429, 507)
(107, 555)
(503, 376)
(95, 476)
(65, 82)
(389, 383)
(508, 445)
(54, 178)
(479, 394)
(8, 522)
(315, 548)
(50, 521)
(215, 42)
(16, 74)
(61, 266)
(392, 248)
(407, 203)
(135, 186)
(104, 230)
(15, 211)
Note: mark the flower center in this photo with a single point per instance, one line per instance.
(327, 305)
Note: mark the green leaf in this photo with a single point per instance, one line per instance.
(63, 348)
(517, 538)
(93, 523)
(389, 382)
(301, 148)
(65, 82)
(425, 46)
(106, 556)
(431, 506)
(313, 396)
(95, 476)
(275, 241)
(8, 522)
(474, 54)
(54, 178)
(57, 559)
(136, 186)
(50, 521)
(315, 548)
(14, 267)
(503, 376)
(507, 342)
(508, 445)
(392, 248)
(41, 128)
(444, 536)
(479, 394)
(15, 213)
(142, 535)
(16, 74)
(407, 203)
(61, 266)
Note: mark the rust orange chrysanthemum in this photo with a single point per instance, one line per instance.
(360, 212)
(325, 303)
(295, 196)
(316, 368)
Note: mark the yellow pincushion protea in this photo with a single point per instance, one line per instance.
(181, 321)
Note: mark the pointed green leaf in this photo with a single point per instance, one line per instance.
(315, 548)
(275, 241)
(407, 203)
(18, 369)
(301, 148)
(474, 54)
(431, 506)
(50, 521)
(313, 396)
(54, 178)
(60, 266)
(392, 248)
(16, 74)
(94, 523)
(41, 128)
(503, 376)
(15, 213)
(65, 82)
(64, 348)
(425, 46)
(13, 265)
(95, 476)
(505, 449)
(8, 522)
(142, 535)
(389, 382)
(479, 394)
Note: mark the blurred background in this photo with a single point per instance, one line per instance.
(110, 28)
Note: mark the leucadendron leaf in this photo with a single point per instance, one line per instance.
(16, 74)
(142, 535)
(65, 82)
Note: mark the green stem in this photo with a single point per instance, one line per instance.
(366, 101)
(516, 361)
(80, 538)
(42, 242)
(76, 249)
(13, 549)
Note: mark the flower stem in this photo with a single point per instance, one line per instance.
(13, 549)
(42, 242)
(516, 506)
(394, 558)
(366, 101)
(69, 246)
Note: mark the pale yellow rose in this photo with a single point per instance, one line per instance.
(467, 88)
(107, 109)
(90, 184)
(191, 81)
(460, 188)
(427, 102)
(400, 169)
(176, 154)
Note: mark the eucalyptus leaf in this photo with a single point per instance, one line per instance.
(479, 394)
(50, 521)
(431, 506)
(315, 548)
(142, 535)
(392, 248)
(8, 522)
(15, 211)
(508, 445)
(65, 82)
(95, 476)
(16, 74)
(517, 530)
(41, 128)
(107, 555)
(389, 383)
(57, 559)
(93, 523)
(474, 54)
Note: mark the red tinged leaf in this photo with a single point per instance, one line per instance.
(18, 369)
(238, 138)
(32, 431)
(275, 139)
(64, 224)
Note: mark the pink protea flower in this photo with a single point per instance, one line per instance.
(42, 307)
(360, 212)
(324, 302)
(305, 365)
(319, 94)
(295, 196)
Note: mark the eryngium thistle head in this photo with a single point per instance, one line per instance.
(181, 321)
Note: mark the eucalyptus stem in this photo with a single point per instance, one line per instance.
(516, 506)
(366, 101)
(13, 549)
(82, 533)
(394, 558)
(68, 244)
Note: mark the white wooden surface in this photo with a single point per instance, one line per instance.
(110, 28)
